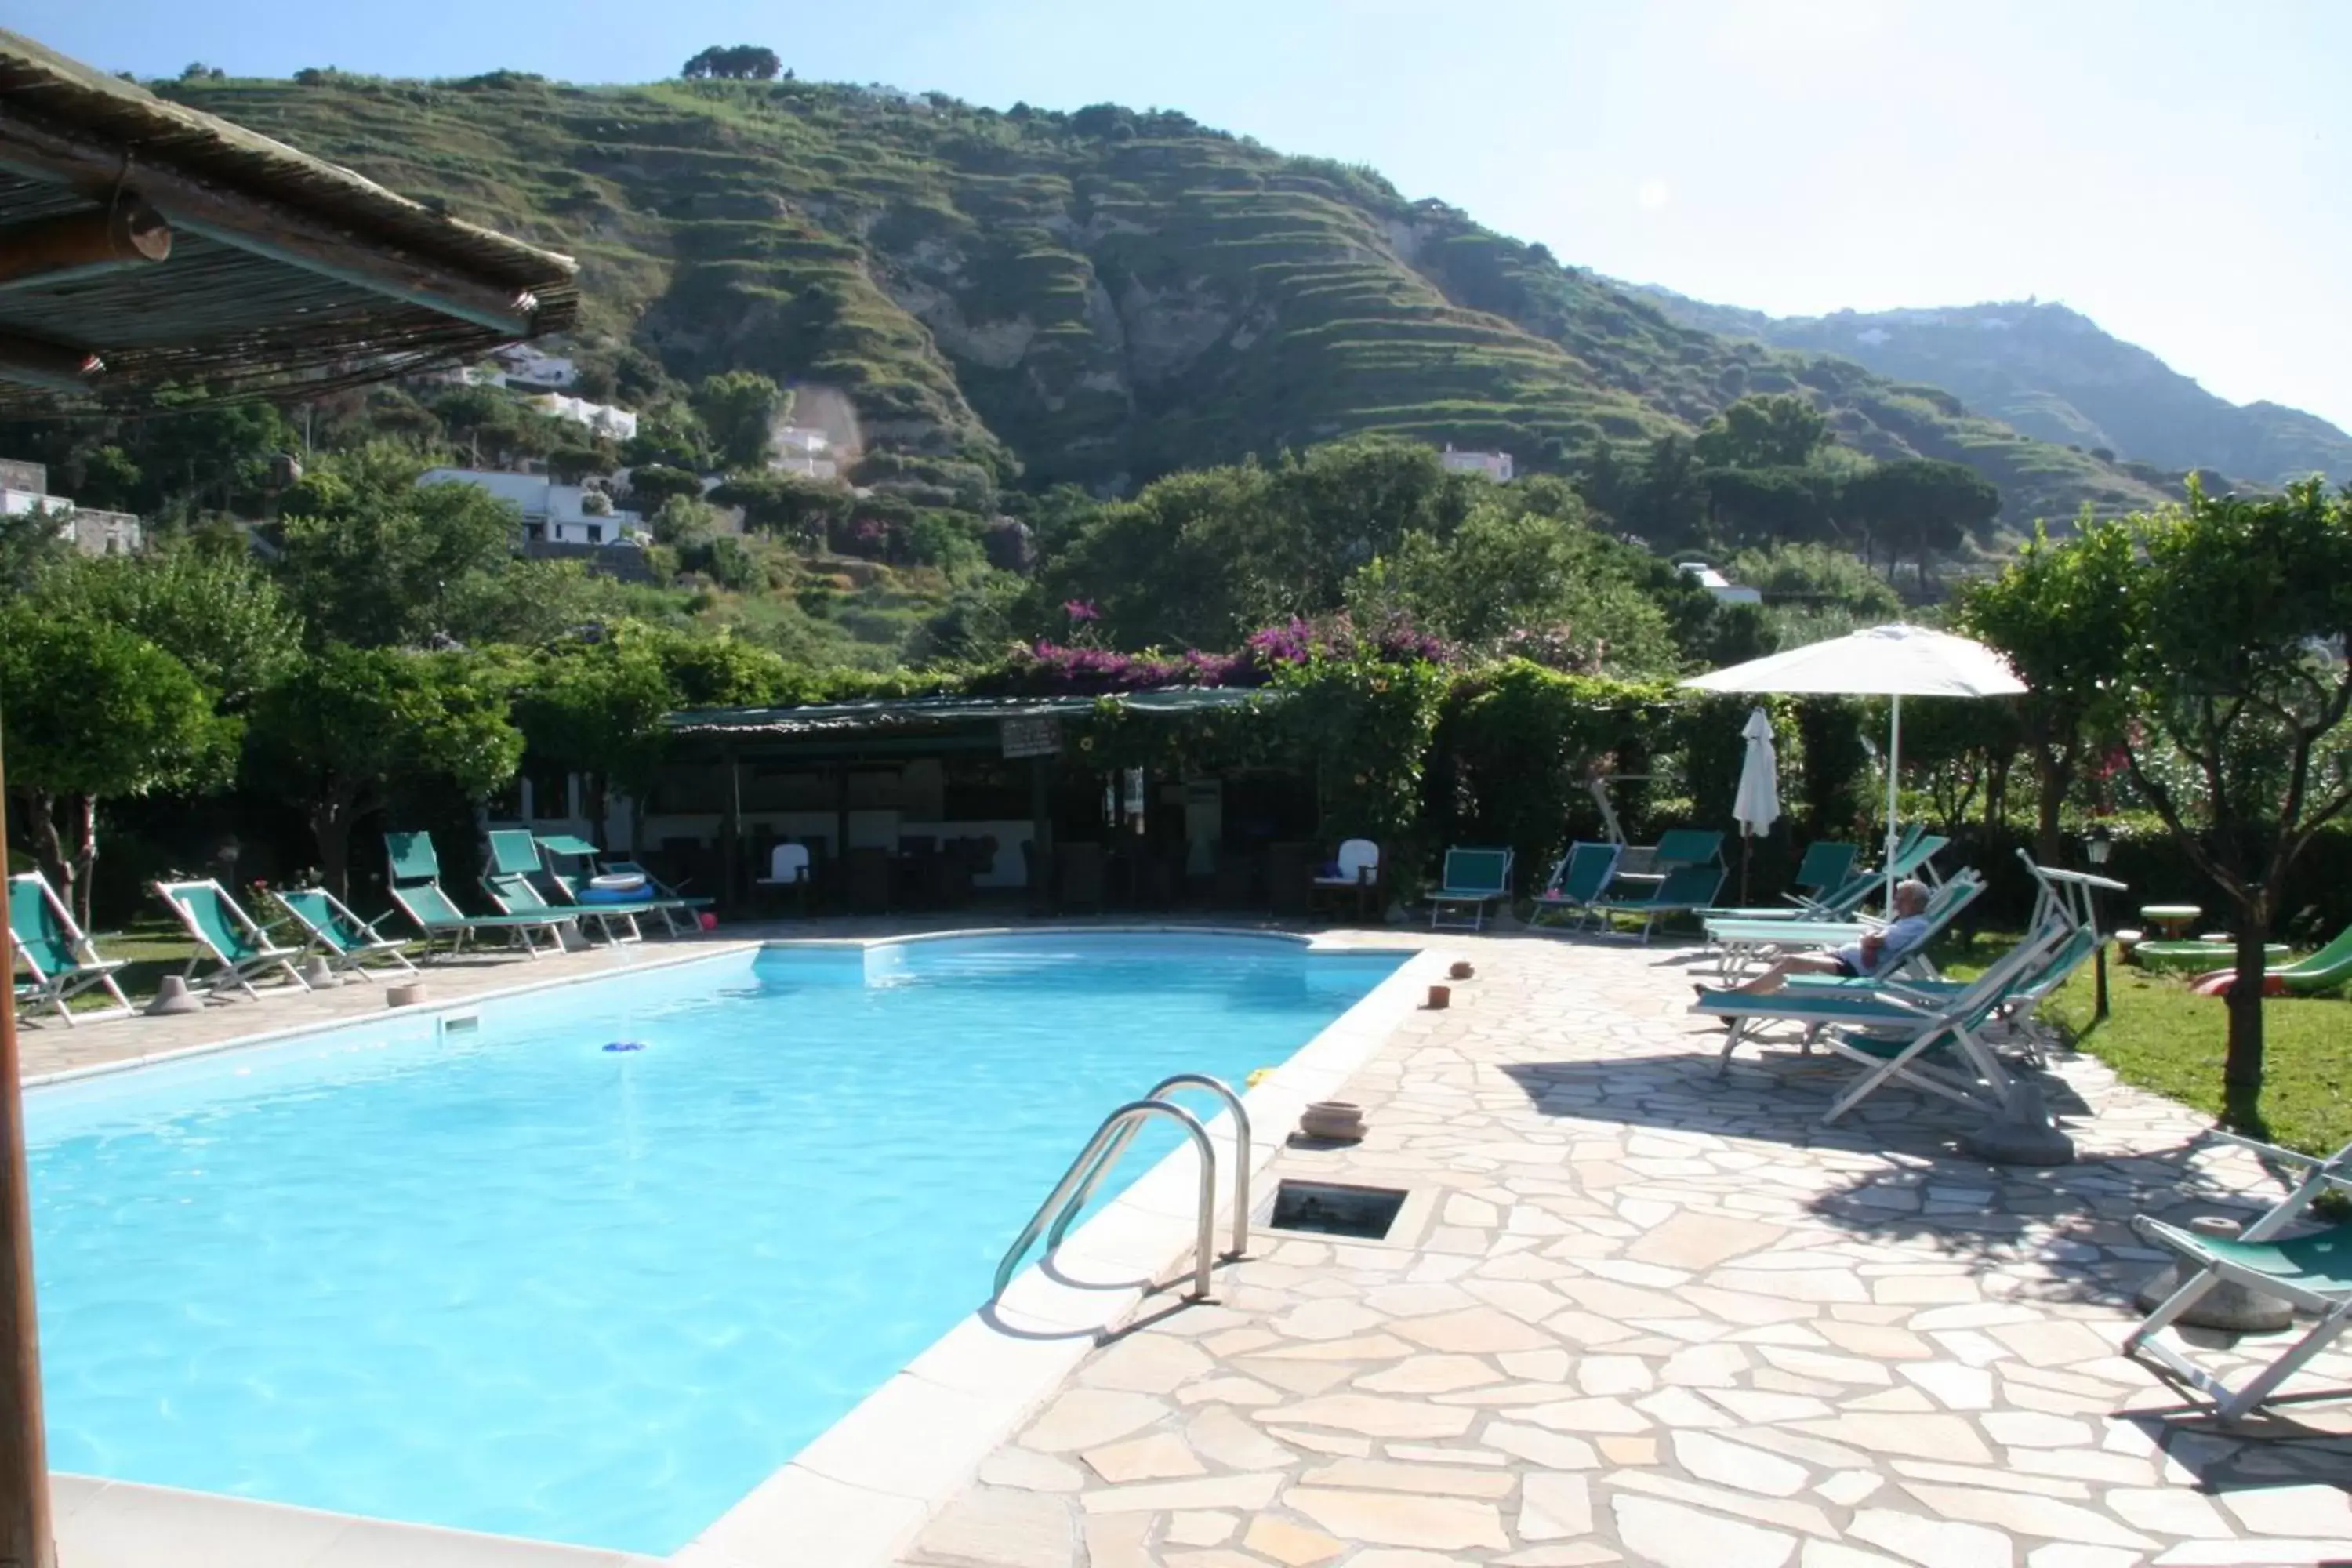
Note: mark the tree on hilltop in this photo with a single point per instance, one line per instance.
(744, 62)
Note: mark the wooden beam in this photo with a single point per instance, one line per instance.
(61, 249)
(262, 225)
(56, 366)
(24, 1536)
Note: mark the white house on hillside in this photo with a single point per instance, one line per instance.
(526, 366)
(551, 513)
(805, 452)
(620, 423)
(1725, 590)
(25, 492)
(1495, 466)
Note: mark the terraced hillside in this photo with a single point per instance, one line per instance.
(1103, 296)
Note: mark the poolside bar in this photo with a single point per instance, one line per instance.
(150, 246)
(927, 802)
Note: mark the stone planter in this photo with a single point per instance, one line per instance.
(1332, 1121)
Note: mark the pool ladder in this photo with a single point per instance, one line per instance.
(1069, 1199)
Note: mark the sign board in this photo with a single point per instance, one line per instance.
(1036, 735)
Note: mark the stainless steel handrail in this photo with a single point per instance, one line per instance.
(1110, 1139)
(1109, 1156)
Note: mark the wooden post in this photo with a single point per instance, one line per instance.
(24, 1538)
(731, 830)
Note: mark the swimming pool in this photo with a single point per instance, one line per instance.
(502, 1278)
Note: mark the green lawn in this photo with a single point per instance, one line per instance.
(155, 948)
(2159, 1035)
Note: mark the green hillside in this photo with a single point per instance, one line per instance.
(2054, 373)
(1099, 296)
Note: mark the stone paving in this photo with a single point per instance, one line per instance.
(1652, 1317)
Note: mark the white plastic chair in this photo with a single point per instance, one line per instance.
(1356, 869)
(788, 867)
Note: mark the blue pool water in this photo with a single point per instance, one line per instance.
(508, 1280)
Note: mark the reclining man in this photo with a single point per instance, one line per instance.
(1874, 955)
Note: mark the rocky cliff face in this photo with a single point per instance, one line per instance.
(1101, 296)
(2054, 374)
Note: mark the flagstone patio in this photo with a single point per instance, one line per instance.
(1652, 1317)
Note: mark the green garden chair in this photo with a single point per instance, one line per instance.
(2312, 1270)
(1473, 879)
(59, 961)
(239, 946)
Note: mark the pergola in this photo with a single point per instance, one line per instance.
(147, 244)
(144, 245)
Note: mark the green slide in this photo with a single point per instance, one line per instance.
(2324, 970)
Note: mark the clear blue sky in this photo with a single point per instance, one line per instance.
(2176, 169)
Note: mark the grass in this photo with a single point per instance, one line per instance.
(2159, 1035)
(152, 949)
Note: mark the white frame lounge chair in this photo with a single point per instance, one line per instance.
(60, 960)
(1891, 1030)
(1577, 885)
(1743, 944)
(339, 935)
(415, 885)
(239, 946)
(2313, 1270)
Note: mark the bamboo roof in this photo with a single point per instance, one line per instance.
(283, 273)
(897, 714)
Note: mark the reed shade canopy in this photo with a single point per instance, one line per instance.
(143, 244)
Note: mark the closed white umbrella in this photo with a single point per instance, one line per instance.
(1895, 661)
(1756, 806)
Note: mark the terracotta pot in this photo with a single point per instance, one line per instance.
(1441, 996)
(1463, 969)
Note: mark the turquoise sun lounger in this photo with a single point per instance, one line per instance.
(239, 947)
(59, 961)
(1928, 1040)
(415, 887)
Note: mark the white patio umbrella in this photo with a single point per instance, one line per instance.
(1758, 805)
(1894, 661)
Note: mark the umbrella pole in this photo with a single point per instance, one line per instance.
(1747, 848)
(1893, 770)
